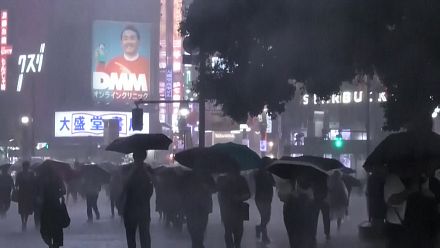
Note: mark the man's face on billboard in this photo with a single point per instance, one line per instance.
(130, 42)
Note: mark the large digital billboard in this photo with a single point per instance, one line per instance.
(121, 61)
(91, 123)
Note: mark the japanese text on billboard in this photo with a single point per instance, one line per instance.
(91, 123)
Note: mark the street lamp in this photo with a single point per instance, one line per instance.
(27, 139)
(184, 109)
(25, 120)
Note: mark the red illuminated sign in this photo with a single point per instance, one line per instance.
(5, 49)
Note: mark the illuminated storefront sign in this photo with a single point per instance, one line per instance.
(5, 49)
(30, 63)
(345, 97)
(91, 123)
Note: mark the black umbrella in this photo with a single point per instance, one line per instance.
(204, 158)
(241, 155)
(61, 169)
(95, 172)
(415, 150)
(165, 169)
(136, 142)
(286, 167)
(325, 164)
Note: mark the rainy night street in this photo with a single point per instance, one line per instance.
(219, 124)
(109, 233)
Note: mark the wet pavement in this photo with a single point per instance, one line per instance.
(109, 233)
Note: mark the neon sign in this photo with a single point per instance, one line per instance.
(5, 49)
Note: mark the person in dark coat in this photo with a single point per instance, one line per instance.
(92, 187)
(233, 191)
(38, 201)
(197, 199)
(6, 185)
(73, 185)
(52, 191)
(135, 199)
(172, 199)
(264, 184)
(115, 191)
(337, 197)
(320, 204)
(160, 195)
(298, 213)
(25, 185)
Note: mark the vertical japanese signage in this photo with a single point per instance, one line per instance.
(162, 59)
(121, 61)
(5, 49)
(169, 84)
(177, 59)
(91, 123)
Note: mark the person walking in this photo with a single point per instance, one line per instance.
(135, 201)
(321, 205)
(298, 212)
(6, 185)
(233, 191)
(197, 199)
(92, 187)
(115, 187)
(24, 185)
(52, 191)
(38, 200)
(338, 197)
(264, 184)
(73, 185)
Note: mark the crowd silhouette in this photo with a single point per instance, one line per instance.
(184, 197)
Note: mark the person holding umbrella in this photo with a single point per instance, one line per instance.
(93, 178)
(137, 184)
(321, 204)
(338, 197)
(229, 158)
(115, 186)
(233, 192)
(299, 207)
(298, 213)
(136, 194)
(264, 184)
(6, 185)
(73, 185)
(24, 185)
(52, 214)
(412, 215)
(197, 201)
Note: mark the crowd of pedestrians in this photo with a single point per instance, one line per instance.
(131, 186)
